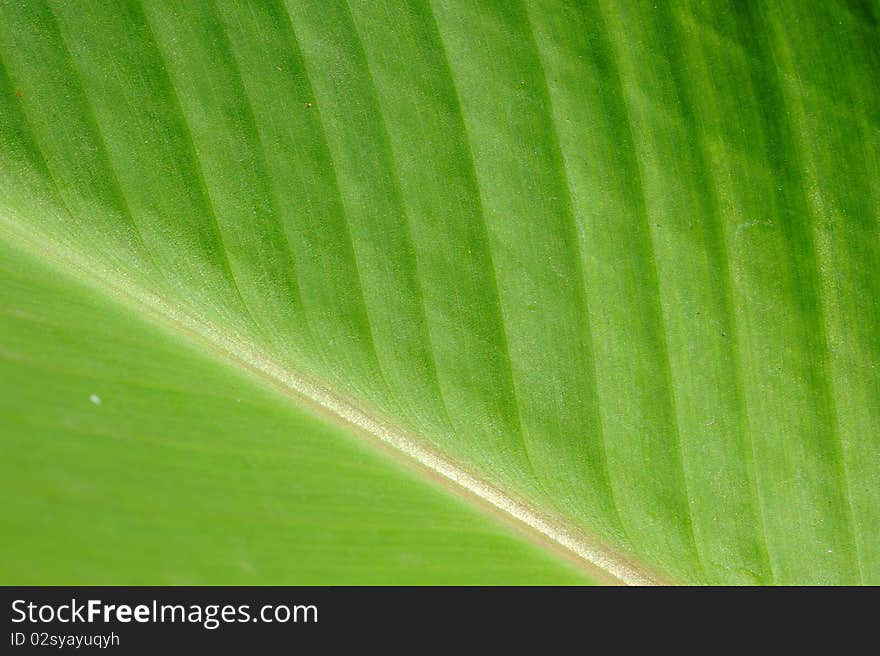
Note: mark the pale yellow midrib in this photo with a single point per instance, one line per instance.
(590, 553)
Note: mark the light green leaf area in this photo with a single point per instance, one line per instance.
(439, 291)
(131, 457)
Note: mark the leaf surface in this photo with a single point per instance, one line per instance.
(610, 270)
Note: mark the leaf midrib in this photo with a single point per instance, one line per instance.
(586, 551)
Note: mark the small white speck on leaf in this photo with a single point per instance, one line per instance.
(94, 398)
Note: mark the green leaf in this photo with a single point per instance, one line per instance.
(437, 291)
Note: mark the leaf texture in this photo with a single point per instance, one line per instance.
(618, 262)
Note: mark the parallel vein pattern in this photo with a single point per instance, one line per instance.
(618, 261)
